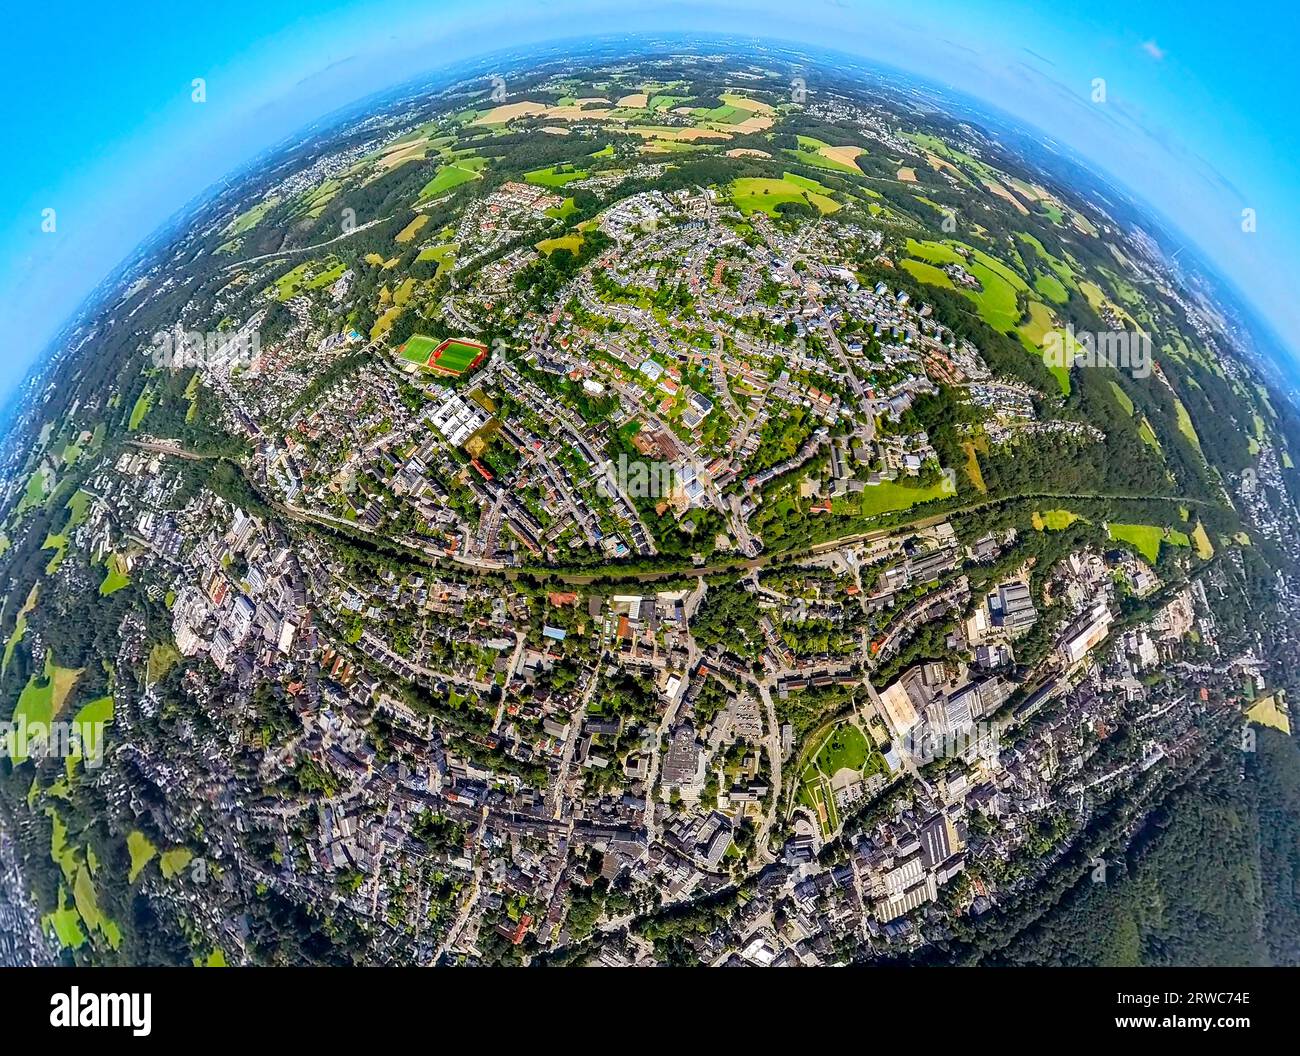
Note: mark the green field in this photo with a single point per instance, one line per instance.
(445, 255)
(37, 490)
(888, 496)
(997, 300)
(455, 357)
(845, 747)
(1185, 424)
(215, 959)
(1050, 287)
(79, 505)
(1201, 540)
(1146, 538)
(59, 544)
(1054, 520)
(250, 219)
(809, 153)
(87, 903)
(662, 102)
(163, 656)
(172, 862)
(572, 242)
(309, 275)
(20, 627)
(1122, 398)
(96, 711)
(142, 404)
(563, 211)
(116, 578)
(418, 348)
(142, 852)
(1148, 434)
(925, 272)
(753, 194)
(66, 923)
(42, 699)
(452, 176)
(556, 176)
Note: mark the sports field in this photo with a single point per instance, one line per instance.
(452, 356)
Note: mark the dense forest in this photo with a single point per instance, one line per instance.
(1210, 879)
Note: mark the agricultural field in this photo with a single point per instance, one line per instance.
(822, 155)
(310, 275)
(758, 194)
(249, 219)
(556, 176)
(451, 176)
(42, 699)
(408, 233)
(998, 298)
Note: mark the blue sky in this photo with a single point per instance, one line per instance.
(1198, 119)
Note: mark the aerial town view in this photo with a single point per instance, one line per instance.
(654, 500)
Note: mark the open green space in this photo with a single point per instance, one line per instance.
(142, 404)
(1122, 398)
(449, 177)
(822, 155)
(890, 495)
(556, 176)
(174, 861)
(1054, 520)
(925, 272)
(309, 275)
(845, 748)
(1146, 538)
(41, 700)
(116, 577)
(753, 194)
(142, 852)
(20, 627)
(252, 217)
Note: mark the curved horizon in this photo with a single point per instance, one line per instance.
(106, 213)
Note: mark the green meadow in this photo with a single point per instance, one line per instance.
(753, 194)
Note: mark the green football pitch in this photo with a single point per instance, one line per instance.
(453, 356)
